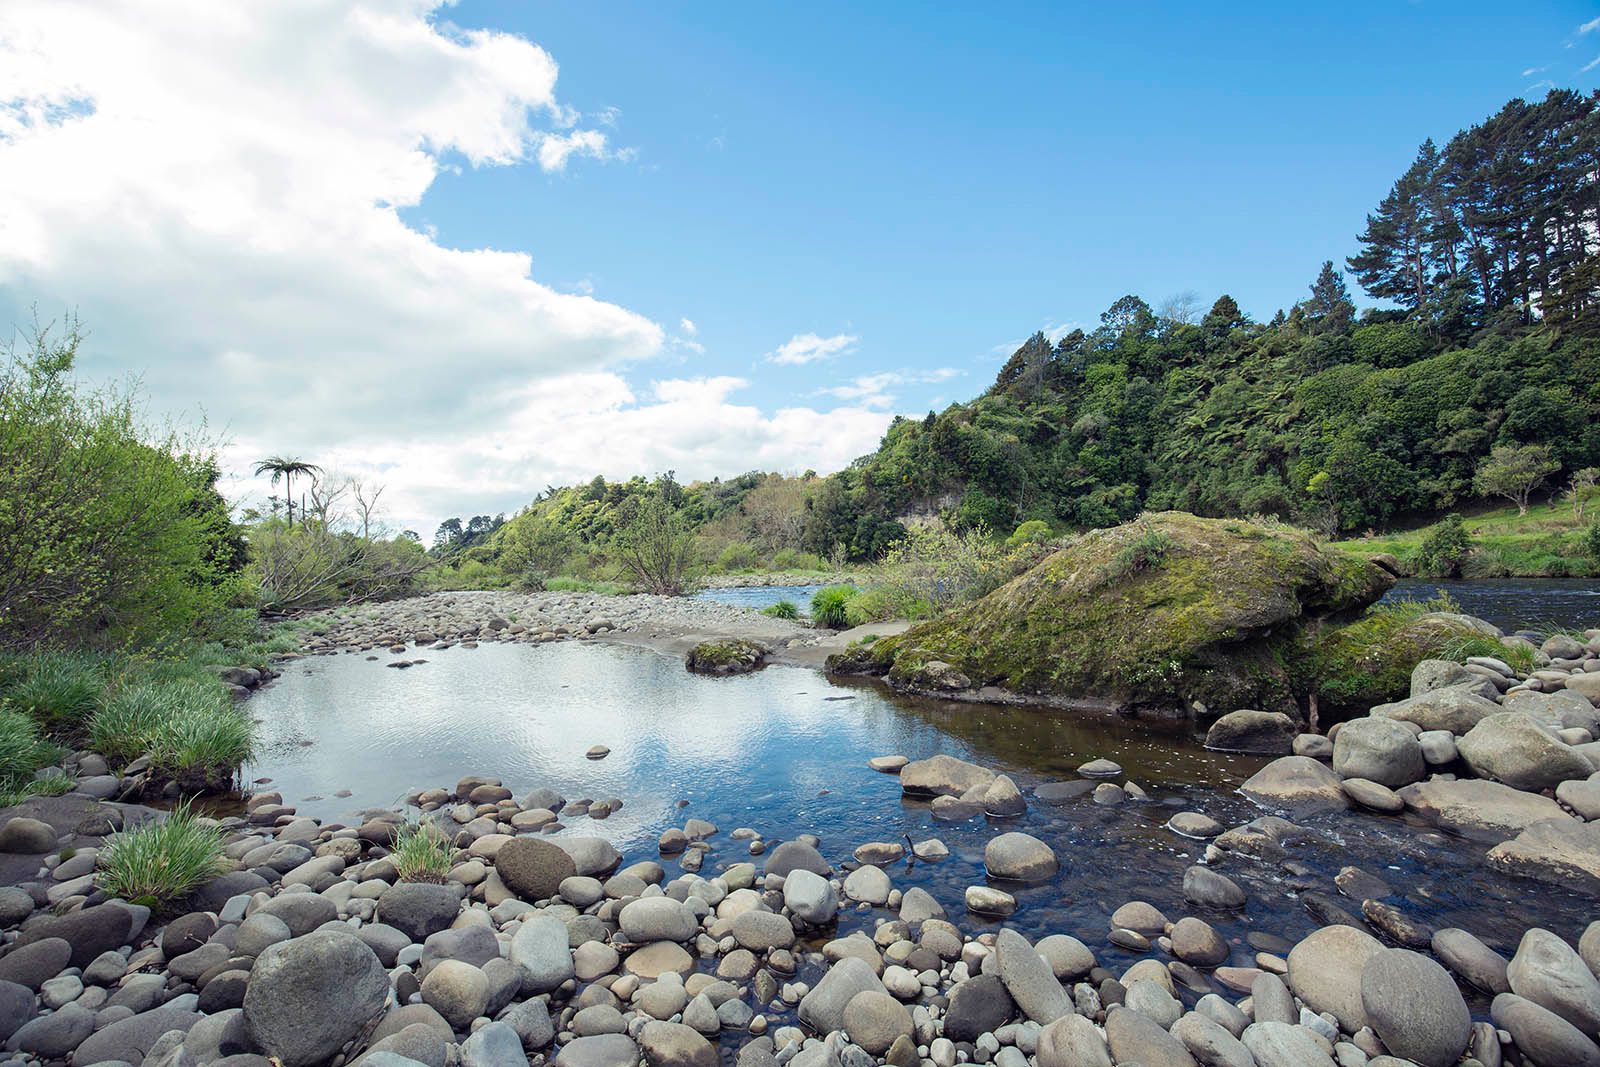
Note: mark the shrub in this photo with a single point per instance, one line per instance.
(934, 568)
(421, 853)
(114, 532)
(1032, 532)
(738, 557)
(829, 606)
(657, 548)
(312, 565)
(877, 603)
(161, 861)
(1591, 541)
(1445, 549)
(783, 609)
(790, 559)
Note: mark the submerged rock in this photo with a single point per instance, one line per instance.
(731, 656)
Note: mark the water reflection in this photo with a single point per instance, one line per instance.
(1515, 603)
(780, 752)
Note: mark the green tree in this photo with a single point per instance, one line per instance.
(286, 467)
(1329, 310)
(1515, 472)
(657, 548)
(1445, 549)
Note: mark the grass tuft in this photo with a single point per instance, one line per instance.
(830, 606)
(165, 860)
(783, 609)
(421, 853)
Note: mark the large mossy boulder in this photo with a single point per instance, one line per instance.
(1162, 614)
(1355, 666)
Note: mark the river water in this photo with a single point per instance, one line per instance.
(1537, 604)
(784, 751)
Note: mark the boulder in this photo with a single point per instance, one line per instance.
(1564, 852)
(1549, 972)
(1019, 857)
(730, 656)
(1433, 674)
(796, 856)
(1512, 748)
(1325, 971)
(1415, 1007)
(1474, 807)
(1379, 750)
(541, 953)
(1456, 709)
(1073, 1041)
(1087, 623)
(874, 1020)
(657, 919)
(419, 909)
(667, 1044)
(309, 995)
(533, 869)
(1136, 1039)
(1542, 1035)
(1298, 783)
(977, 1006)
(1267, 732)
(1029, 979)
(944, 776)
(810, 897)
(822, 1008)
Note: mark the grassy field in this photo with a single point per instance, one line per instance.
(1547, 542)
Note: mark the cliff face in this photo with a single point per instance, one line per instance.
(1157, 614)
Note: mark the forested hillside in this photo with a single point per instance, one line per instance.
(1486, 251)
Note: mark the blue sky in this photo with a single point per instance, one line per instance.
(472, 250)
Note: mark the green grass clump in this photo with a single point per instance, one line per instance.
(421, 853)
(22, 752)
(583, 585)
(830, 606)
(165, 860)
(58, 690)
(783, 609)
(204, 740)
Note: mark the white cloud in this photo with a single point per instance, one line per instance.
(568, 429)
(688, 327)
(808, 348)
(1590, 26)
(1531, 71)
(873, 390)
(1587, 67)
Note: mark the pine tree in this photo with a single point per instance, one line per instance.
(1329, 310)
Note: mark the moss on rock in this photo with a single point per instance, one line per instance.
(1358, 665)
(733, 656)
(1104, 623)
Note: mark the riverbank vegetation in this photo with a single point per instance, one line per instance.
(1479, 382)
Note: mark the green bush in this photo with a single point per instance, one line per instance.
(790, 559)
(1591, 541)
(738, 557)
(161, 861)
(114, 533)
(1445, 550)
(584, 585)
(1032, 532)
(934, 568)
(421, 853)
(830, 606)
(1146, 552)
(783, 609)
(876, 603)
(313, 565)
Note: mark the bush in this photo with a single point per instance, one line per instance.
(657, 548)
(161, 862)
(421, 853)
(783, 609)
(934, 568)
(829, 606)
(876, 604)
(790, 559)
(1032, 532)
(1591, 541)
(312, 565)
(738, 557)
(114, 532)
(1445, 550)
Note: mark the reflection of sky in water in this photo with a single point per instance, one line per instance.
(1515, 603)
(771, 751)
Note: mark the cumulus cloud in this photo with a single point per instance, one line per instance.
(808, 348)
(873, 390)
(220, 189)
(568, 429)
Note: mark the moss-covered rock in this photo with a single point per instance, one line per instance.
(1159, 614)
(1357, 665)
(733, 656)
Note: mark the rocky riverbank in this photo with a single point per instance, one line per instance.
(545, 944)
(668, 624)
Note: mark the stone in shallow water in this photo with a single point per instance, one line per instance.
(1099, 768)
(1415, 1007)
(1194, 824)
(1564, 852)
(943, 775)
(1325, 972)
(1020, 857)
(887, 764)
(984, 900)
(1297, 782)
(1266, 732)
